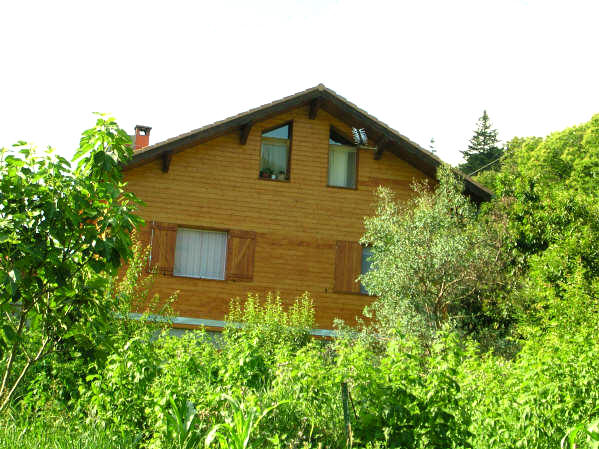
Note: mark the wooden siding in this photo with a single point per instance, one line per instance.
(297, 224)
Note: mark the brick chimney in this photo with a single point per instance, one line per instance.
(142, 137)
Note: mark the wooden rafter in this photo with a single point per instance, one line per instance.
(245, 132)
(380, 147)
(314, 107)
(166, 161)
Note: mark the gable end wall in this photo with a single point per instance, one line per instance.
(297, 223)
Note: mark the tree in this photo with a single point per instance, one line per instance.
(551, 185)
(63, 233)
(434, 262)
(483, 148)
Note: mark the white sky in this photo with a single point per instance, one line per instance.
(426, 68)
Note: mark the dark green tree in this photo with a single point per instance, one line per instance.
(483, 148)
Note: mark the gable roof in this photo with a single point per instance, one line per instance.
(317, 97)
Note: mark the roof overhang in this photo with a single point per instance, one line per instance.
(316, 97)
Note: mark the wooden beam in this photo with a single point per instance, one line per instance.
(380, 147)
(166, 161)
(314, 107)
(245, 132)
(210, 132)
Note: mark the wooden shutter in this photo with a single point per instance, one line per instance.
(144, 235)
(164, 240)
(241, 247)
(348, 266)
(144, 238)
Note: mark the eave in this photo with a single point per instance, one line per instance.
(317, 98)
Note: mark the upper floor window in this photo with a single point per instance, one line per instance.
(274, 158)
(200, 254)
(343, 161)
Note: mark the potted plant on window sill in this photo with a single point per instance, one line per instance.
(266, 173)
(281, 176)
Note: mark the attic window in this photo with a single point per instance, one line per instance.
(335, 138)
(343, 161)
(274, 159)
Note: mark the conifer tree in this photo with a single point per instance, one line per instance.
(483, 148)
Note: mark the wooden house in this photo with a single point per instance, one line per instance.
(272, 199)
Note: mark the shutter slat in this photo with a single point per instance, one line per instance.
(241, 246)
(348, 266)
(164, 240)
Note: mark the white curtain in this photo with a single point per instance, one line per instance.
(274, 156)
(200, 253)
(342, 166)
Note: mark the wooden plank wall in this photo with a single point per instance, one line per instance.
(297, 223)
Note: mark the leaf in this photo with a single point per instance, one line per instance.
(9, 335)
(212, 435)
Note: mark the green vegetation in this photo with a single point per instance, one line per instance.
(436, 262)
(483, 334)
(63, 233)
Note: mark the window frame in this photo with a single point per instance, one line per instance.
(226, 251)
(332, 129)
(289, 148)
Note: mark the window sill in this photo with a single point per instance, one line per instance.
(275, 180)
(197, 277)
(341, 187)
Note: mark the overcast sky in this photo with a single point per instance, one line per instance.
(426, 68)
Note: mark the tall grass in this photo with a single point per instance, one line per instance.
(48, 436)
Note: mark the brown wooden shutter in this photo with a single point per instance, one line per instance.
(348, 266)
(164, 240)
(144, 235)
(144, 238)
(241, 247)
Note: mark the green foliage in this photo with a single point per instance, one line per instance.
(590, 432)
(433, 261)
(190, 374)
(251, 348)
(551, 385)
(44, 434)
(118, 394)
(445, 273)
(150, 386)
(483, 148)
(63, 233)
(53, 385)
(549, 188)
(239, 423)
(182, 425)
(403, 398)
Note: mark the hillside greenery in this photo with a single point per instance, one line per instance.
(483, 333)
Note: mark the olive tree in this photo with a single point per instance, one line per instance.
(64, 231)
(435, 262)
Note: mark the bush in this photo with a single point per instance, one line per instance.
(53, 386)
(550, 386)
